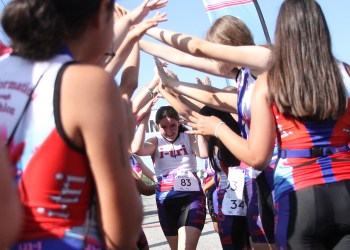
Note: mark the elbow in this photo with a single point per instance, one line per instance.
(259, 163)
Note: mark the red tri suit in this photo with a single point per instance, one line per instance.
(54, 180)
(290, 174)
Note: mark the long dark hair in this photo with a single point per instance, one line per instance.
(224, 155)
(304, 79)
(39, 28)
(169, 112)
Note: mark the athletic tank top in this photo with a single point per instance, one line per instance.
(170, 157)
(293, 174)
(54, 180)
(245, 85)
(209, 172)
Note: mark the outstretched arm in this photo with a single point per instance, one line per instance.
(130, 75)
(257, 150)
(133, 17)
(182, 59)
(128, 49)
(182, 109)
(255, 58)
(217, 98)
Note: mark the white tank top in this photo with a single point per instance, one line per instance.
(170, 157)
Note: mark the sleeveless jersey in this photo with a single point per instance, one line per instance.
(54, 179)
(293, 174)
(134, 164)
(209, 172)
(245, 85)
(170, 157)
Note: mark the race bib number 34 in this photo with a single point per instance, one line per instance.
(186, 181)
(233, 202)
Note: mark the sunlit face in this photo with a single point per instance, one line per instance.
(169, 128)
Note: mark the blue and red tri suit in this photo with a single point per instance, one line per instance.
(312, 153)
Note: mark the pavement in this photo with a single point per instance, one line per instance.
(209, 239)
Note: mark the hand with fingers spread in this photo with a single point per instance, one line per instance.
(206, 81)
(142, 10)
(140, 29)
(167, 80)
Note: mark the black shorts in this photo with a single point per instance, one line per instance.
(316, 217)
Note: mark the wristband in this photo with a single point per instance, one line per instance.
(216, 129)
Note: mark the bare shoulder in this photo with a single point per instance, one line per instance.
(89, 86)
(261, 83)
(88, 76)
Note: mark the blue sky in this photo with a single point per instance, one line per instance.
(189, 16)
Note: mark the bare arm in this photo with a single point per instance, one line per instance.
(182, 108)
(106, 138)
(138, 145)
(257, 150)
(10, 208)
(130, 75)
(254, 57)
(133, 17)
(182, 59)
(146, 94)
(129, 44)
(217, 98)
(149, 174)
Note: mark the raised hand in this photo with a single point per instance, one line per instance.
(143, 9)
(140, 29)
(201, 125)
(206, 81)
(166, 80)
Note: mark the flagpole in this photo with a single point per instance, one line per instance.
(262, 21)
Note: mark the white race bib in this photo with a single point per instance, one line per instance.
(186, 181)
(233, 202)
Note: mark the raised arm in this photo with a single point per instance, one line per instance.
(217, 98)
(182, 59)
(254, 57)
(146, 93)
(182, 108)
(130, 75)
(134, 17)
(139, 146)
(257, 150)
(129, 46)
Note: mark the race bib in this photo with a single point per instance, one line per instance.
(186, 181)
(233, 202)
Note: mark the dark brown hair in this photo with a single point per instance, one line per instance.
(304, 79)
(169, 112)
(39, 28)
(224, 154)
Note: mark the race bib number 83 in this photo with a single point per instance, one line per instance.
(186, 181)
